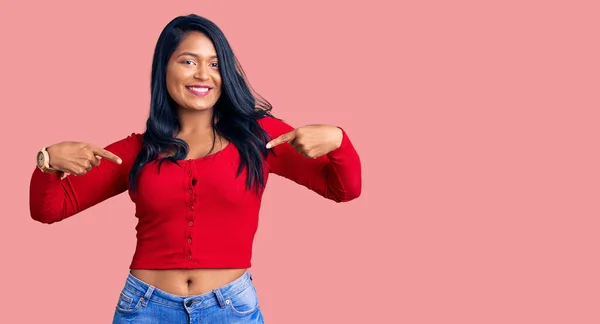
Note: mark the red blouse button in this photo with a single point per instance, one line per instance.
(189, 174)
(190, 191)
(189, 257)
(192, 207)
(190, 241)
(191, 223)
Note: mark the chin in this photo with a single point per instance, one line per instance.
(203, 107)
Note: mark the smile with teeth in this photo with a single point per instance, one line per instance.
(198, 89)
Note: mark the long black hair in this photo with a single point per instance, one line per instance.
(235, 113)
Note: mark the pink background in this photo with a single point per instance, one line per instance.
(476, 122)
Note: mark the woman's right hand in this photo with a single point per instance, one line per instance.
(77, 158)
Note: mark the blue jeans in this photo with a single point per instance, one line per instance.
(235, 302)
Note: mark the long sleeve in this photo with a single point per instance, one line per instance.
(52, 199)
(336, 175)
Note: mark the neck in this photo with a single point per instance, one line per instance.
(195, 122)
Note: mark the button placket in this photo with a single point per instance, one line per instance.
(190, 202)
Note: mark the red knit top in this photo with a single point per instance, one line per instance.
(199, 215)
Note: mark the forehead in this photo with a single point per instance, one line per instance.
(197, 43)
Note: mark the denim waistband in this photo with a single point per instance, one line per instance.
(216, 296)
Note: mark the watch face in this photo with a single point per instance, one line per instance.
(40, 159)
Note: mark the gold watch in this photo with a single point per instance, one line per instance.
(43, 161)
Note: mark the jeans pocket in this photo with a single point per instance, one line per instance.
(243, 303)
(128, 302)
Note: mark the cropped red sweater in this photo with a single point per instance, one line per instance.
(199, 215)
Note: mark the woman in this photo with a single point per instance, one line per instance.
(196, 176)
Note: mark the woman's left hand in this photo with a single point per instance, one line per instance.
(312, 141)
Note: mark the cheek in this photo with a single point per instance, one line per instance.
(173, 83)
(217, 92)
(172, 90)
(218, 83)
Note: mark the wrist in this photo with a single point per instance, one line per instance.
(43, 161)
(50, 168)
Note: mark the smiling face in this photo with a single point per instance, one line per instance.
(193, 78)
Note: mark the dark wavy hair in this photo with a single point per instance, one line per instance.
(235, 113)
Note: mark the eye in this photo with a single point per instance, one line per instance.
(190, 61)
(215, 64)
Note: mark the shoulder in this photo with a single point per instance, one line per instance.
(274, 126)
(132, 139)
(129, 144)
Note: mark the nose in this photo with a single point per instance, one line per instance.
(201, 73)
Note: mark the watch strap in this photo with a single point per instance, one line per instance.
(45, 167)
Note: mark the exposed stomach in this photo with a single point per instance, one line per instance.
(187, 282)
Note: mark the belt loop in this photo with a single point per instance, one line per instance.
(146, 297)
(220, 297)
(250, 274)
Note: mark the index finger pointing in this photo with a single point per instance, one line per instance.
(287, 137)
(109, 155)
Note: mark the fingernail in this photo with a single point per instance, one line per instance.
(268, 145)
(120, 161)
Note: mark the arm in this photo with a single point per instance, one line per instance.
(52, 199)
(335, 175)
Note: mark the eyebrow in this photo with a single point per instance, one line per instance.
(194, 55)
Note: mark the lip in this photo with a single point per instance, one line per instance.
(199, 86)
(199, 94)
